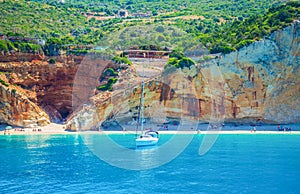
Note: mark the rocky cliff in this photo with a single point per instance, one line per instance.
(263, 78)
(46, 86)
(18, 109)
(258, 83)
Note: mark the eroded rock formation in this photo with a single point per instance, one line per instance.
(48, 86)
(258, 83)
(18, 109)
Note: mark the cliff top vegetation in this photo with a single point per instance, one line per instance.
(208, 26)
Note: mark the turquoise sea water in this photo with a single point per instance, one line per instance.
(235, 164)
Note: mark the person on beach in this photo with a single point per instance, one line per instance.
(254, 129)
(6, 132)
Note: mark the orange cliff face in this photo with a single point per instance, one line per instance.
(46, 87)
(17, 109)
(257, 84)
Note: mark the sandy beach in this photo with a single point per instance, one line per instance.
(54, 128)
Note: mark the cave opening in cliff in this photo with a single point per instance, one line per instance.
(64, 112)
(56, 115)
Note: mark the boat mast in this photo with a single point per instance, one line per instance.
(138, 117)
(142, 101)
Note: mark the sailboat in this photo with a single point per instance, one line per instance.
(147, 137)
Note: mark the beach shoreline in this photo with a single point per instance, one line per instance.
(54, 128)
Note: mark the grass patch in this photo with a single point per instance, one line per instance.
(4, 83)
(109, 84)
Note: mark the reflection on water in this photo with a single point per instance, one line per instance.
(120, 150)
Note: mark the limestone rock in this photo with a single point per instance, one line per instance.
(258, 83)
(17, 109)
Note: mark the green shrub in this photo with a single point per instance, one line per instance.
(11, 46)
(4, 83)
(112, 80)
(221, 49)
(120, 60)
(103, 88)
(172, 61)
(244, 43)
(176, 54)
(110, 72)
(25, 47)
(185, 62)
(109, 84)
(52, 61)
(34, 48)
(3, 46)
(178, 60)
(7, 46)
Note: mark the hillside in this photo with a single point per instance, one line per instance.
(258, 83)
(216, 26)
(42, 75)
(170, 8)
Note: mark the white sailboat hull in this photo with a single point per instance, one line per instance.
(146, 141)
